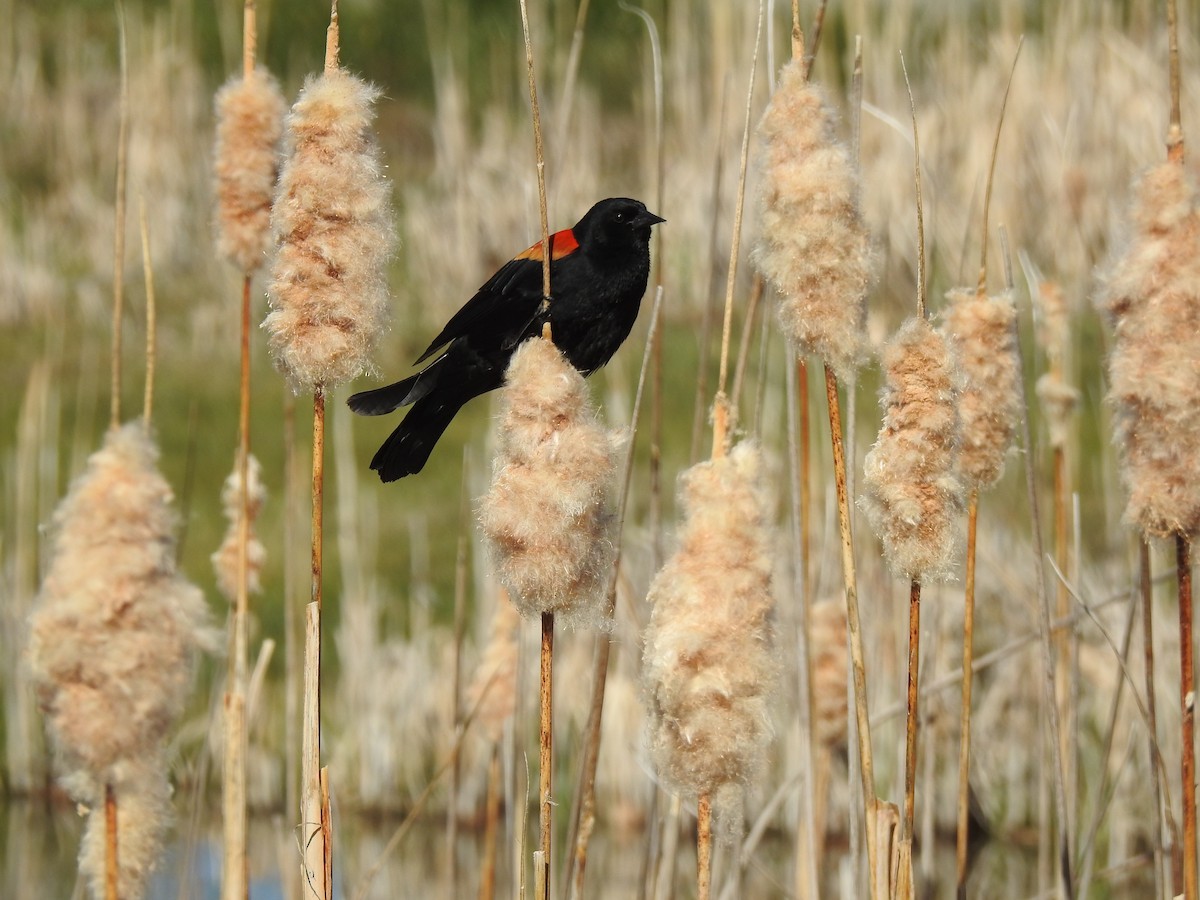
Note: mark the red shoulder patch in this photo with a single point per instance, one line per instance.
(562, 243)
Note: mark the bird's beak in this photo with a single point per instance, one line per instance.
(646, 219)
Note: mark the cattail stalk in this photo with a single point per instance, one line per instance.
(546, 662)
(583, 812)
(816, 251)
(329, 297)
(114, 419)
(1146, 599)
(1153, 301)
(250, 112)
(982, 329)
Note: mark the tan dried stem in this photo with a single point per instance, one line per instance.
(1175, 127)
(112, 868)
(734, 254)
(332, 40)
(964, 742)
(249, 37)
(114, 419)
(546, 667)
(981, 290)
(151, 316)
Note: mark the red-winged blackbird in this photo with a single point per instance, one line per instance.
(598, 273)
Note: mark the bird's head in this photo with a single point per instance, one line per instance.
(616, 223)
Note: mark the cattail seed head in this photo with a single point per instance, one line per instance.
(225, 560)
(827, 638)
(549, 513)
(115, 629)
(333, 227)
(249, 125)
(982, 331)
(143, 796)
(1152, 298)
(814, 246)
(707, 664)
(914, 491)
(493, 689)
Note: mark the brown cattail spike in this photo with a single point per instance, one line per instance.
(915, 496)
(225, 560)
(549, 513)
(982, 331)
(707, 661)
(1152, 297)
(249, 126)
(332, 221)
(112, 644)
(814, 246)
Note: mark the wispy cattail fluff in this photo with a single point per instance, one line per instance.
(827, 636)
(814, 246)
(981, 330)
(116, 627)
(548, 515)
(1057, 398)
(332, 222)
(1152, 297)
(707, 664)
(225, 560)
(143, 796)
(493, 689)
(914, 491)
(249, 125)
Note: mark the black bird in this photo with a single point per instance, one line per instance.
(598, 274)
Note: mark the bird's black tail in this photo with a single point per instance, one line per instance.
(408, 447)
(381, 401)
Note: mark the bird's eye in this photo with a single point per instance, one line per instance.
(620, 215)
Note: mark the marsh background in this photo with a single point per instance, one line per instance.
(1087, 112)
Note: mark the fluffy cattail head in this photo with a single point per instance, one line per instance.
(143, 796)
(1152, 297)
(116, 627)
(249, 125)
(549, 513)
(493, 689)
(814, 246)
(707, 664)
(225, 560)
(1057, 398)
(332, 222)
(827, 636)
(982, 331)
(915, 496)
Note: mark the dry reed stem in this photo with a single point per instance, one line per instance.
(853, 623)
(1049, 682)
(312, 850)
(583, 808)
(546, 751)
(735, 247)
(704, 834)
(112, 868)
(1146, 598)
(964, 744)
(1187, 694)
(491, 832)
(114, 419)
(151, 317)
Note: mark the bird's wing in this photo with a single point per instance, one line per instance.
(509, 299)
